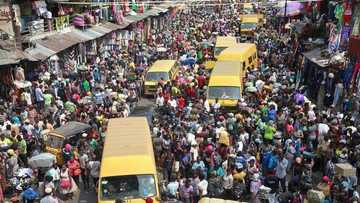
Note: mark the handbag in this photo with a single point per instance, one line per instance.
(65, 183)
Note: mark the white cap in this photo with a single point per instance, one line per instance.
(48, 190)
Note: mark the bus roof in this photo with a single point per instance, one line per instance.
(236, 52)
(253, 18)
(225, 41)
(226, 73)
(128, 148)
(162, 65)
(248, 5)
(250, 20)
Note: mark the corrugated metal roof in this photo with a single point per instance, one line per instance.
(88, 34)
(40, 52)
(112, 26)
(101, 29)
(11, 57)
(59, 42)
(51, 45)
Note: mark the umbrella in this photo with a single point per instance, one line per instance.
(42, 160)
(251, 89)
(292, 9)
(189, 61)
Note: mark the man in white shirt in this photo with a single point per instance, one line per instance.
(228, 181)
(281, 171)
(206, 105)
(203, 185)
(173, 103)
(160, 100)
(217, 105)
(259, 84)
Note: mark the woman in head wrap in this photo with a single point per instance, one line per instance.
(67, 153)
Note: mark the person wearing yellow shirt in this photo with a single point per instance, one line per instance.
(4, 141)
(239, 174)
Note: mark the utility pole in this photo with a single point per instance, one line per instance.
(16, 29)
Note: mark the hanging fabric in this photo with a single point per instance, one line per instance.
(339, 10)
(347, 13)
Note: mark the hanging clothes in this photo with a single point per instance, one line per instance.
(338, 93)
(355, 71)
(347, 73)
(339, 10)
(347, 13)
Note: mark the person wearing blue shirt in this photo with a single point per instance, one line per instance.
(272, 113)
(198, 164)
(172, 188)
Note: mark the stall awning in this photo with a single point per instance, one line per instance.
(59, 42)
(101, 29)
(316, 57)
(88, 34)
(40, 52)
(8, 57)
(112, 26)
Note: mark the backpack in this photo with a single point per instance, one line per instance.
(270, 161)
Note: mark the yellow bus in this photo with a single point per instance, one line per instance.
(128, 170)
(250, 22)
(161, 70)
(246, 53)
(222, 42)
(226, 83)
(248, 8)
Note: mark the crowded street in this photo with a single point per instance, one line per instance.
(180, 101)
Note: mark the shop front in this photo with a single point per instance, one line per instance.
(324, 74)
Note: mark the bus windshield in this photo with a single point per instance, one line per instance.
(127, 187)
(248, 25)
(224, 92)
(156, 76)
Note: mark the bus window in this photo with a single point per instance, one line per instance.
(250, 59)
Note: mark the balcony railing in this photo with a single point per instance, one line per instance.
(42, 26)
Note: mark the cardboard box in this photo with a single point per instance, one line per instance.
(345, 170)
(315, 196)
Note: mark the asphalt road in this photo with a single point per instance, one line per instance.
(143, 108)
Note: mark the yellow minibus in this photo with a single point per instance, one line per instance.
(128, 171)
(249, 23)
(161, 70)
(226, 83)
(222, 42)
(246, 53)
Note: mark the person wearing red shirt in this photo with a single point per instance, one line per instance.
(201, 81)
(181, 103)
(166, 97)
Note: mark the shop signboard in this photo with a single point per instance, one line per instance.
(62, 22)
